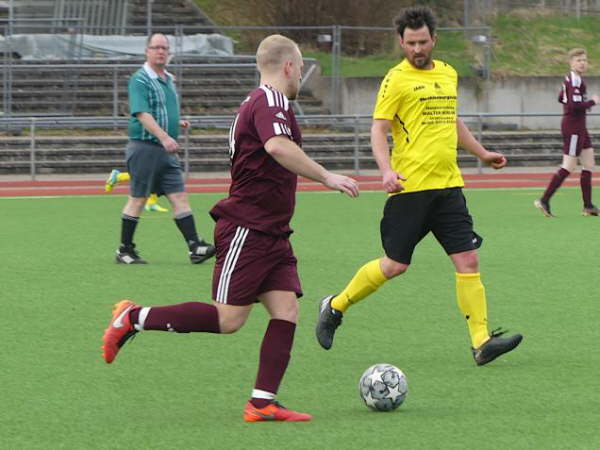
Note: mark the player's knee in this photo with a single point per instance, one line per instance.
(289, 313)
(468, 263)
(229, 325)
(391, 268)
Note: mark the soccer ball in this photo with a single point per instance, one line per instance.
(383, 387)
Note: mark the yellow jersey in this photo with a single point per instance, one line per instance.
(422, 106)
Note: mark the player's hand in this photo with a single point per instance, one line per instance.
(392, 181)
(341, 183)
(596, 98)
(494, 160)
(170, 144)
(184, 124)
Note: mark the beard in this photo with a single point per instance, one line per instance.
(421, 62)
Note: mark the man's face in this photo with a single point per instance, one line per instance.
(157, 52)
(579, 63)
(417, 46)
(294, 69)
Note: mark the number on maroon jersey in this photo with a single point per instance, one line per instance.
(232, 137)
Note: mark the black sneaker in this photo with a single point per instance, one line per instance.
(495, 346)
(128, 255)
(201, 251)
(329, 320)
(544, 207)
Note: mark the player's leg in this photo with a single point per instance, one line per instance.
(452, 226)
(403, 225)
(275, 353)
(115, 177)
(130, 318)
(570, 151)
(142, 159)
(173, 187)
(199, 249)
(126, 253)
(233, 289)
(470, 295)
(152, 204)
(587, 162)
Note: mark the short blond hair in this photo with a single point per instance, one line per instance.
(273, 51)
(574, 52)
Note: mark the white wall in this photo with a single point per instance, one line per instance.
(509, 95)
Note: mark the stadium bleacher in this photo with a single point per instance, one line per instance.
(86, 88)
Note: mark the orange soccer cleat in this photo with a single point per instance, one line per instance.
(273, 412)
(119, 330)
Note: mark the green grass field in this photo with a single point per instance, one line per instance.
(59, 282)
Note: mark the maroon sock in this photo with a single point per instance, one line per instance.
(586, 188)
(182, 318)
(274, 358)
(555, 183)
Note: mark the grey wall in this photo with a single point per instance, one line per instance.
(509, 95)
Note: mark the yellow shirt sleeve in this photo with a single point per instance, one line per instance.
(389, 97)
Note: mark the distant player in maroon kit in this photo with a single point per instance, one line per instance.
(576, 140)
(255, 261)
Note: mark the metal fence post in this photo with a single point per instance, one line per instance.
(186, 149)
(115, 92)
(335, 68)
(32, 168)
(479, 137)
(149, 17)
(356, 147)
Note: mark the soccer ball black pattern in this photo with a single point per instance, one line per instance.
(383, 387)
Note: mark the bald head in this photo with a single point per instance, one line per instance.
(274, 51)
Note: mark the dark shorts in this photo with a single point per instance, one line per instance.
(152, 169)
(573, 143)
(407, 218)
(250, 263)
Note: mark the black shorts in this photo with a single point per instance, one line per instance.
(407, 218)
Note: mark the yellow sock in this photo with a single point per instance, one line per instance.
(152, 200)
(123, 176)
(470, 295)
(367, 280)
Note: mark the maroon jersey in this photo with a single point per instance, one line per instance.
(262, 194)
(575, 105)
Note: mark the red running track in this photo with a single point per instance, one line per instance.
(199, 185)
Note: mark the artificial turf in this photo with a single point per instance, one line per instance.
(168, 390)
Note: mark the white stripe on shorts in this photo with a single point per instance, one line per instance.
(573, 145)
(235, 248)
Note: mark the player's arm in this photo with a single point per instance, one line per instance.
(467, 141)
(573, 101)
(287, 153)
(390, 179)
(154, 128)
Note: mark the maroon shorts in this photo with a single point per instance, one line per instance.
(250, 263)
(573, 143)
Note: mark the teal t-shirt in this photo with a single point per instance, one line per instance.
(151, 94)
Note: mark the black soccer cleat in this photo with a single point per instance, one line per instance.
(329, 320)
(495, 346)
(128, 255)
(201, 251)
(544, 207)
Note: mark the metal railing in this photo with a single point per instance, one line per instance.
(349, 136)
